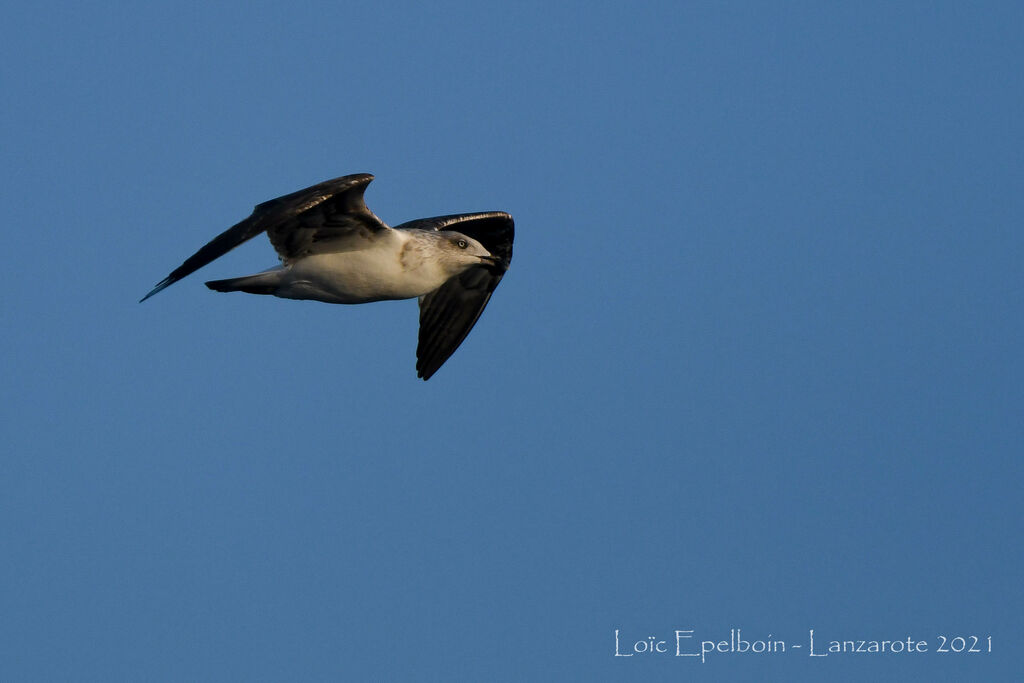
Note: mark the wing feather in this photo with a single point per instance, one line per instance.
(449, 313)
(326, 212)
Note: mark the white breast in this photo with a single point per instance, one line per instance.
(386, 269)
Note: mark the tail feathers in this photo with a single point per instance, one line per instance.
(261, 283)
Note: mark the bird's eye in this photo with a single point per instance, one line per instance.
(461, 244)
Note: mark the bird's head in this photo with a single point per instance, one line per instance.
(462, 251)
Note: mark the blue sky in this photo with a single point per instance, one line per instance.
(756, 365)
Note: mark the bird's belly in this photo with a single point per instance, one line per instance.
(356, 277)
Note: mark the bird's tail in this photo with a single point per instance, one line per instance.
(261, 283)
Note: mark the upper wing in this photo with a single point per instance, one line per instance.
(448, 313)
(295, 223)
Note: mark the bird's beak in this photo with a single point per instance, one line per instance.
(490, 259)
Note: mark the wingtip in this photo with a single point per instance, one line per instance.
(159, 287)
(424, 372)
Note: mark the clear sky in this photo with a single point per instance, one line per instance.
(756, 365)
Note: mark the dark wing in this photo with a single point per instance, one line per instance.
(297, 224)
(448, 313)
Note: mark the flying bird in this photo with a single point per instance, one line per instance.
(334, 249)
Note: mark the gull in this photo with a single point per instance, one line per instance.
(334, 249)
